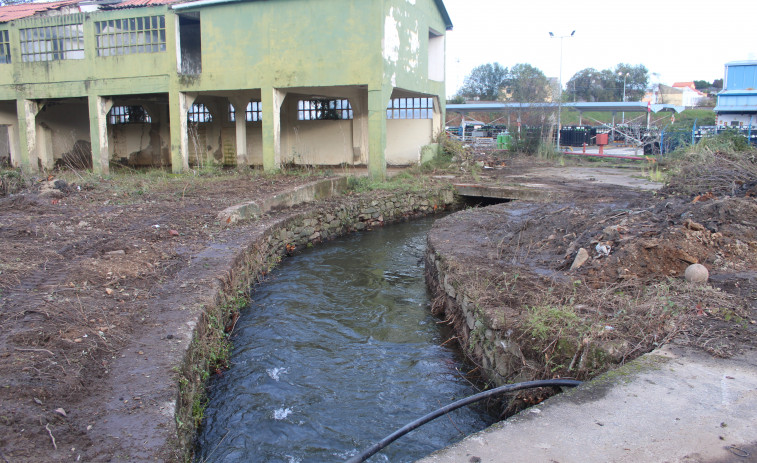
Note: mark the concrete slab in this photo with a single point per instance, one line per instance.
(522, 192)
(673, 405)
(633, 178)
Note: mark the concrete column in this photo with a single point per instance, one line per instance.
(271, 99)
(360, 139)
(27, 130)
(45, 147)
(98, 133)
(179, 103)
(437, 121)
(14, 145)
(240, 118)
(377, 101)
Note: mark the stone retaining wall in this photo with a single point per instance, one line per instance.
(249, 261)
(485, 340)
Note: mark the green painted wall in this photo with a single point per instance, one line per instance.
(406, 50)
(125, 74)
(374, 45)
(290, 43)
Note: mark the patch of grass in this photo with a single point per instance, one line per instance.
(545, 322)
(405, 181)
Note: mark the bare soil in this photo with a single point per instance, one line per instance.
(83, 265)
(516, 259)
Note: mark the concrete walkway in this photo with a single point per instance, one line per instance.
(672, 405)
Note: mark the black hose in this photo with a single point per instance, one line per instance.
(375, 448)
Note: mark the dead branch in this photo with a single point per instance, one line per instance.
(47, 426)
(34, 350)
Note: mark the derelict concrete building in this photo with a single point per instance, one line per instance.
(238, 82)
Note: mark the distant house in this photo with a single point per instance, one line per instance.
(240, 82)
(737, 103)
(680, 94)
(690, 96)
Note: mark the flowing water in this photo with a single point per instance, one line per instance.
(336, 350)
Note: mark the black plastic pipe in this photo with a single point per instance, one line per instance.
(375, 448)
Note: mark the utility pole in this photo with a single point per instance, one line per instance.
(623, 121)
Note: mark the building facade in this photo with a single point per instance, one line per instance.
(737, 103)
(238, 82)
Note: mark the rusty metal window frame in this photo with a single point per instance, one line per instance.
(199, 114)
(410, 108)
(52, 43)
(324, 109)
(5, 48)
(124, 36)
(253, 113)
(128, 115)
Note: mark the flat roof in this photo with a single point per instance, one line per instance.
(742, 63)
(611, 106)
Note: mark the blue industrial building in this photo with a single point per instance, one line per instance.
(737, 103)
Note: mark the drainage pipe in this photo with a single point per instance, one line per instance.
(375, 448)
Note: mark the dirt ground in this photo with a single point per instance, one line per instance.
(82, 269)
(630, 295)
(82, 265)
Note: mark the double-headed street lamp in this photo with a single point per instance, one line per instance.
(559, 98)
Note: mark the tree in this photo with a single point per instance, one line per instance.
(527, 84)
(457, 99)
(717, 83)
(484, 82)
(585, 85)
(635, 83)
(702, 84)
(608, 84)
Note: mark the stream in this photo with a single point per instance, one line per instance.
(336, 350)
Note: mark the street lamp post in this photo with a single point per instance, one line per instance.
(623, 121)
(559, 98)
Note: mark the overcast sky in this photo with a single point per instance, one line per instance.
(676, 40)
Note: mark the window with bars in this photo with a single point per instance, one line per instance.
(125, 36)
(410, 108)
(199, 113)
(253, 113)
(5, 49)
(323, 109)
(52, 43)
(128, 115)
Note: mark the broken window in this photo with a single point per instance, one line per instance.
(131, 35)
(5, 49)
(410, 108)
(323, 109)
(199, 113)
(190, 43)
(52, 43)
(253, 113)
(128, 115)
